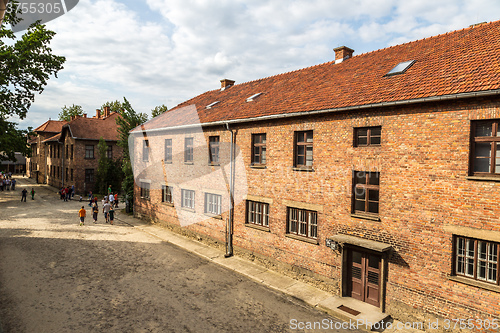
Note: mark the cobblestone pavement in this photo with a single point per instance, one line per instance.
(57, 276)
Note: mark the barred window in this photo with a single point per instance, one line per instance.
(89, 175)
(109, 152)
(258, 213)
(188, 149)
(477, 259)
(168, 150)
(302, 222)
(213, 203)
(187, 199)
(89, 151)
(166, 194)
(145, 190)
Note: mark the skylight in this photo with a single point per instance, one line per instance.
(209, 106)
(401, 68)
(254, 96)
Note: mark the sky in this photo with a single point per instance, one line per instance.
(156, 52)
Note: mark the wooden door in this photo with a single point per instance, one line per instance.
(364, 276)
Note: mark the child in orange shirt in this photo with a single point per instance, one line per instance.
(82, 214)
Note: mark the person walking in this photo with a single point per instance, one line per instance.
(81, 214)
(24, 193)
(32, 193)
(109, 189)
(116, 199)
(95, 211)
(111, 215)
(91, 198)
(13, 184)
(72, 191)
(111, 199)
(105, 210)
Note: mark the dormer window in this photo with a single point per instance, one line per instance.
(209, 106)
(253, 97)
(400, 68)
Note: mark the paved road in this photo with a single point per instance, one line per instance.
(56, 276)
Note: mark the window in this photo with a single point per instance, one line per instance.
(67, 174)
(258, 213)
(71, 151)
(145, 190)
(109, 152)
(365, 192)
(145, 150)
(304, 149)
(367, 136)
(187, 199)
(213, 149)
(400, 68)
(485, 155)
(213, 203)
(89, 151)
(302, 222)
(72, 174)
(58, 151)
(259, 148)
(477, 259)
(188, 149)
(166, 194)
(67, 150)
(168, 150)
(89, 175)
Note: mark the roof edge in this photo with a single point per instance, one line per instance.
(323, 111)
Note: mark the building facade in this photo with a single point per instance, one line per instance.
(377, 175)
(70, 156)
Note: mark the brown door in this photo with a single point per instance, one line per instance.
(364, 276)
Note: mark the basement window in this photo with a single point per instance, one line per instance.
(209, 106)
(253, 97)
(400, 68)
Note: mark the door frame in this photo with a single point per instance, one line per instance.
(344, 287)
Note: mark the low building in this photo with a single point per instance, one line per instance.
(65, 153)
(377, 176)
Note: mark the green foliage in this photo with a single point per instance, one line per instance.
(69, 111)
(158, 110)
(109, 172)
(128, 120)
(26, 63)
(115, 106)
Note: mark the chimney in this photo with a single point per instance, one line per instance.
(106, 111)
(84, 115)
(225, 83)
(98, 113)
(342, 53)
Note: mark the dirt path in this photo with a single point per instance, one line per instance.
(56, 276)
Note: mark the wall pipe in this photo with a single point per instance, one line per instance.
(229, 221)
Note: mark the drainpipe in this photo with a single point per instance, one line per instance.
(229, 221)
(62, 163)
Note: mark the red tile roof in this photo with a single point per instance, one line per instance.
(54, 138)
(51, 126)
(461, 61)
(94, 128)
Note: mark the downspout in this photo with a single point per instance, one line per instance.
(62, 163)
(229, 221)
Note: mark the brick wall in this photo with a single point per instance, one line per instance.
(424, 195)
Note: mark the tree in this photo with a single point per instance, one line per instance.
(101, 185)
(115, 106)
(69, 111)
(128, 120)
(26, 63)
(158, 110)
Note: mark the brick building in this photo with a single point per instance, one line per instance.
(377, 175)
(65, 153)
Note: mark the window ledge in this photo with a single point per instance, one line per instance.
(214, 164)
(219, 217)
(302, 238)
(188, 163)
(168, 204)
(188, 209)
(167, 162)
(258, 227)
(258, 166)
(474, 283)
(145, 198)
(484, 179)
(303, 169)
(366, 217)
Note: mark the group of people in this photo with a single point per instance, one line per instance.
(109, 202)
(67, 193)
(24, 194)
(7, 182)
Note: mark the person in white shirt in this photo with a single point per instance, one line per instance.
(111, 199)
(105, 210)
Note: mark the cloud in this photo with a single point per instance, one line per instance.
(166, 51)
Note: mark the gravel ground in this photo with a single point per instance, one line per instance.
(57, 276)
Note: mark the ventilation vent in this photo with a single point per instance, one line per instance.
(253, 97)
(209, 106)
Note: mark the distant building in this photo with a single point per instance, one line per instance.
(377, 175)
(19, 166)
(65, 153)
